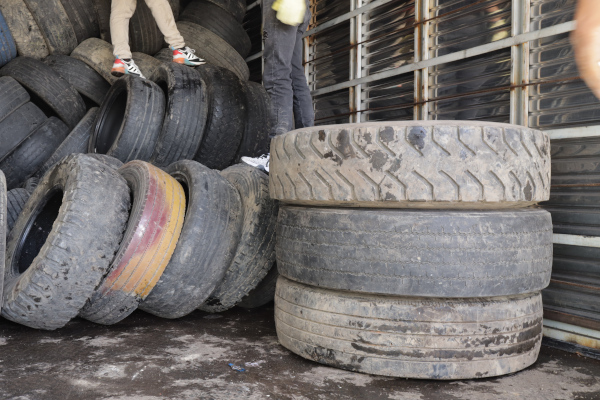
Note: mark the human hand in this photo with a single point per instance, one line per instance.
(290, 12)
(586, 41)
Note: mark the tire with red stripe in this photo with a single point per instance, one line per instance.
(152, 233)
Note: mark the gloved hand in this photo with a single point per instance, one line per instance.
(586, 41)
(290, 12)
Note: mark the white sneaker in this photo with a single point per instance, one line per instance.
(261, 162)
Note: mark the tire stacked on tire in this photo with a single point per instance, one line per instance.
(420, 255)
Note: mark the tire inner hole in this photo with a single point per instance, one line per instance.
(111, 123)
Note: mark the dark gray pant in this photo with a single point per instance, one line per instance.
(283, 77)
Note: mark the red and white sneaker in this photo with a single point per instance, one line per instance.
(187, 56)
(126, 67)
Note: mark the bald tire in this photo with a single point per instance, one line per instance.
(24, 30)
(15, 201)
(54, 23)
(97, 54)
(412, 164)
(148, 65)
(264, 293)
(409, 337)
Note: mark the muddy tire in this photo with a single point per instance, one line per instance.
(129, 121)
(56, 257)
(255, 140)
(210, 236)
(102, 8)
(83, 18)
(255, 253)
(237, 8)
(152, 233)
(98, 54)
(53, 21)
(33, 151)
(428, 253)
(445, 339)
(18, 125)
(185, 115)
(226, 118)
(8, 48)
(48, 90)
(148, 65)
(437, 164)
(24, 30)
(263, 293)
(13, 96)
(15, 202)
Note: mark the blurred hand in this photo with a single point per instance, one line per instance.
(290, 12)
(586, 41)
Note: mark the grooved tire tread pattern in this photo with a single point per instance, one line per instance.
(13, 96)
(18, 125)
(53, 21)
(98, 54)
(102, 8)
(24, 30)
(83, 18)
(15, 202)
(264, 292)
(412, 164)
(256, 140)
(237, 8)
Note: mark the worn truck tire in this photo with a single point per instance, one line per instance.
(83, 17)
(185, 115)
(421, 164)
(409, 337)
(255, 140)
(263, 293)
(13, 96)
(53, 21)
(63, 242)
(154, 226)
(18, 125)
(50, 92)
(75, 143)
(210, 235)
(15, 202)
(213, 49)
(24, 30)
(33, 151)
(237, 8)
(226, 118)
(129, 121)
(430, 253)
(255, 253)
(98, 54)
(220, 22)
(8, 48)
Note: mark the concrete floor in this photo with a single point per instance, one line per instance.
(148, 358)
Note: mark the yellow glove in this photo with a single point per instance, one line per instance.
(290, 12)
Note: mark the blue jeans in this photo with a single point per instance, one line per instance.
(283, 77)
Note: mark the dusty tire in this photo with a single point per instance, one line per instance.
(210, 235)
(148, 65)
(32, 152)
(237, 8)
(88, 83)
(24, 29)
(420, 164)
(255, 140)
(15, 202)
(383, 335)
(220, 22)
(75, 143)
(213, 49)
(255, 252)
(185, 115)
(129, 121)
(152, 232)
(102, 8)
(429, 253)
(97, 54)
(53, 21)
(17, 126)
(83, 18)
(56, 257)
(50, 92)
(263, 293)
(13, 96)
(8, 48)
(226, 118)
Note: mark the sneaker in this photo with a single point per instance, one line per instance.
(186, 56)
(261, 162)
(126, 67)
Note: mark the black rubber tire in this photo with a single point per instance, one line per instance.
(418, 164)
(75, 143)
(237, 8)
(24, 30)
(3, 233)
(255, 253)
(8, 48)
(226, 118)
(83, 18)
(213, 49)
(53, 94)
(409, 337)
(31, 153)
(144, 35)
(109, 161)
(185, 115)
(30, 184)
(208, 241)
(18, 125)
(129, 121)
(102, 8)
(148, 65)
(56, 257)
(15, 202)
(98, 54)
(13, 96)
(53, 21)
(429, 253)
(81, 76)
(165, 56)
(256, 140)
(264, 292)
(220, 22)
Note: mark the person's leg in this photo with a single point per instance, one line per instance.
(304, 114)
(163, 14)
(121, 12)
(279, 40)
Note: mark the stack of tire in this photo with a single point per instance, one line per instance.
(412, 249)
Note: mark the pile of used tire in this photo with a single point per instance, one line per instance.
(412, 249)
